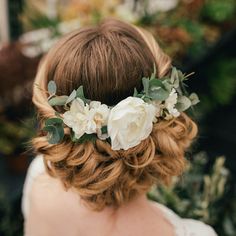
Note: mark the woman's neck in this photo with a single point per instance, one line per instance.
(137, 203)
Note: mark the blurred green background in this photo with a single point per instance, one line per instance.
(200, 36)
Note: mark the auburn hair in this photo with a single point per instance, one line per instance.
(109, 60)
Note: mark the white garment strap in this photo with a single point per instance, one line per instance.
(35, 169)
(186, 227)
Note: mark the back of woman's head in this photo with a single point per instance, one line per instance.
(109, 60)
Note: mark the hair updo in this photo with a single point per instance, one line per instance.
(109, 60)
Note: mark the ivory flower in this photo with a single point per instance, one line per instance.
(159, 107)
(86, 118)
(130, 122)
(99, 114)
(77, 118)
(170, 103)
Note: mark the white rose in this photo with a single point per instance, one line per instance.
(77, 118)
(130, 122)
(170, 103)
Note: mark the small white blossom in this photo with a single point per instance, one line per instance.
(86, 118)
(99, 114)
(159, 107)
(77, 117)
(170, 104)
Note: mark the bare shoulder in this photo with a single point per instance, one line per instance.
(49, 196)
(52, 210)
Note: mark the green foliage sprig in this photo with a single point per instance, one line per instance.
(55, 126)
(55, 129)
(159, 89)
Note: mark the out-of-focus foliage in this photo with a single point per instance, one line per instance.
(219, 11)
(221, 75)
(15, 135)
(40, 14)
(10, 218)
(34, 16)
(222, 80)
(185, 29)
(202, 195)
(190, 28)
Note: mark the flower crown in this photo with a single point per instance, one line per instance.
(126, 124)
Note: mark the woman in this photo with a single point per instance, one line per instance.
(110, 128)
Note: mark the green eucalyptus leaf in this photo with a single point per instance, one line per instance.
(194, 98)
(140, 95)
(57, 136)
(145, 85)
(158, 93)
(53, 121)
(179, 91)
(135, 92)
(73, 138)
(158, 90)
(104, 130)
(156, 83)
(50, 128)
(55, 133)
(147, 99)
(176, 83)
(165, 78)
(71, 97)
(174, 75)
(181, 76)
(58, 101)
(52, 87)
(183, 103)
(167, 86)
(80, 92)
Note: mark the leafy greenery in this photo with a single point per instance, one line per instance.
(52, 87)
(222, 80)
(159, 89)
(20, 132)
(34, 18)
(202, 195)
(54, 126)
(221, 84)
(191, 28)
(58, 101)
(55, 129)
(63, 100)
(11, 220)
(219, 10)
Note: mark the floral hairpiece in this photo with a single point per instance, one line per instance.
(126, 124)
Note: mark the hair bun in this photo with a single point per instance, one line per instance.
(102, 176)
